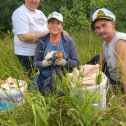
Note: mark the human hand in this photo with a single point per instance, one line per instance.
(60, 61)
(46, 63)
(49, 55)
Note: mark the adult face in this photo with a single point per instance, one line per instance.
(105, 29)
(55, 27)
(32, 4)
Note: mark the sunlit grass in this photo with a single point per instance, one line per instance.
(9, 65)
(87, 44)
(69, 110)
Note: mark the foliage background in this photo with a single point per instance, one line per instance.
(77, 13)
(53, 110)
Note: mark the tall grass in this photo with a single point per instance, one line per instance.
(9, 65)
(87, 44)
(69, 110)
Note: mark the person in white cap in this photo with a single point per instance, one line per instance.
(55, 53)
(114, 46)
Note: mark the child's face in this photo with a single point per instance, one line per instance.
(55, 26)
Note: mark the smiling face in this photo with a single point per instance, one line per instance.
(55, 27)
(32, 4)
(105, 29)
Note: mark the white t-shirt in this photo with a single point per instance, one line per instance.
(25, 21)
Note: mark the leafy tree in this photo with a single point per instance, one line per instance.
(75, 18)
(77, 13)
(49, 6)
(118, 7)
(6, 10)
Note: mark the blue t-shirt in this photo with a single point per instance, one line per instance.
(59, 47)
(48, 71)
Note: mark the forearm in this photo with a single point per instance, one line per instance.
(30, 37)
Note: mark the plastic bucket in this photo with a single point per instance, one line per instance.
(8, 98)
(98, 92)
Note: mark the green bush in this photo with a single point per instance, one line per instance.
(6, 9)
(118, 8)
(75, 18)
(77, 13)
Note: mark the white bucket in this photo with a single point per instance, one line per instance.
(97, 91)
(8, 98)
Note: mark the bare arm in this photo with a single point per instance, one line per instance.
(121, 57)
(30, 37)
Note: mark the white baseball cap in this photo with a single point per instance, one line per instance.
(103, 13)
(55, 15)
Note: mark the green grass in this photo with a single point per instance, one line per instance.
(9, 65)
(87, 44)
(59, 111)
